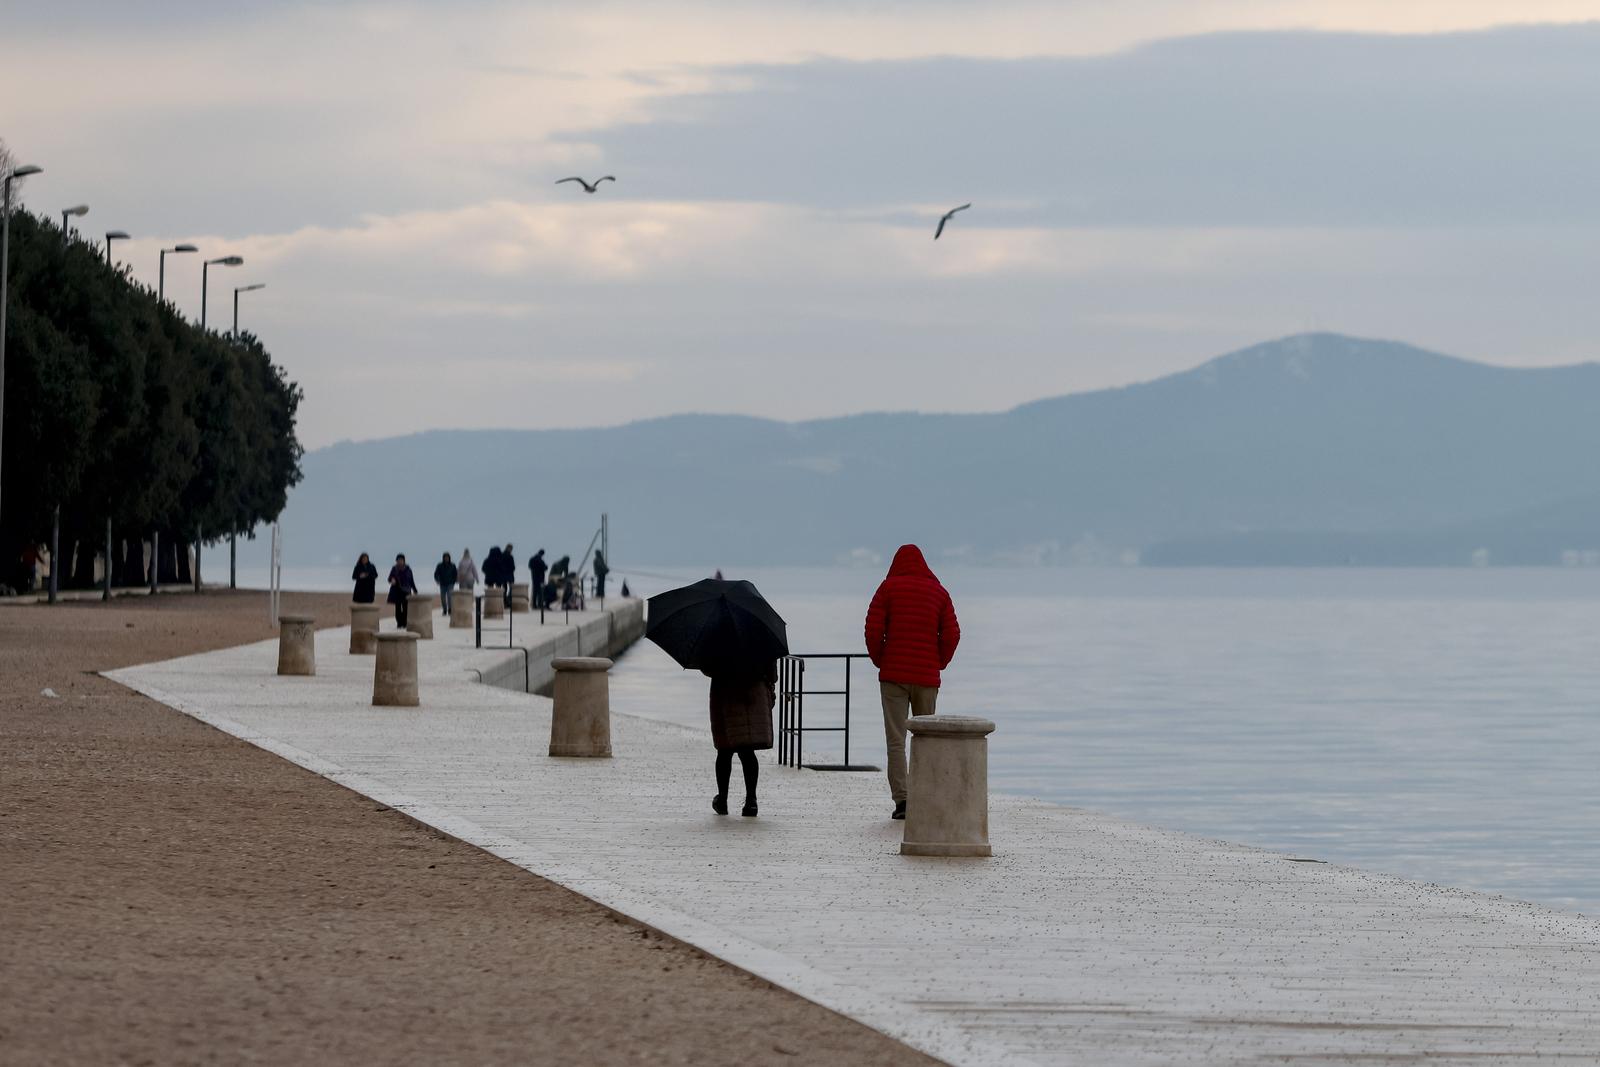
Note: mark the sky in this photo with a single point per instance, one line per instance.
(1154, 182)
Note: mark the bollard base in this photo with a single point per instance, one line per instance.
(579, 752)
(928, 848)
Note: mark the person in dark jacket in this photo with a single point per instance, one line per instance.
(491, 570)
(911, 635)
(508, 570)
(742, 697)
(601, 569)
(402, 583)
(444, 576)
(537, 569)
(561, 568)
(366, 578)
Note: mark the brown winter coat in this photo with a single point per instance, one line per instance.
(741, 708)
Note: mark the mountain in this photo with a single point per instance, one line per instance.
(1281, 452)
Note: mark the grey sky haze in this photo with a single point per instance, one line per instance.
(1153, 183)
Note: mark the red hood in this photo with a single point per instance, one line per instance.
(908, 563)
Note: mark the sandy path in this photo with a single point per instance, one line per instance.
(173, 895)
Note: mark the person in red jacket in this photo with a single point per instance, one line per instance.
(911, 635)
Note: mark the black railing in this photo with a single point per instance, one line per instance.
(792, 728)
(477, 619)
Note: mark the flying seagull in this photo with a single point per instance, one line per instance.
(946, 217)
(589, 187)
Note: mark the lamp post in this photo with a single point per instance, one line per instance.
(114, 235)
(236, 291)
(66, 226)
(5, 296)
(161, 283)
(226, 261)
(233, 536)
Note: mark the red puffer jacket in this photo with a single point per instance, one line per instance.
(911, 631)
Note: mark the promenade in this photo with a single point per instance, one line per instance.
(1085, 939)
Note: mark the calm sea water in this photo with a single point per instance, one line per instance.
(1442, 725)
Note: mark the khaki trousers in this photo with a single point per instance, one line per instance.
(897, 700)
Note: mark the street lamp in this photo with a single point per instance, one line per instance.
(233, 538)
(225, 261)
(237, 290)
(114, 235)
(161, 285)
(5, 263)
(66, 227)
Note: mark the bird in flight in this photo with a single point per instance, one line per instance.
(589, 187)
(946, 217)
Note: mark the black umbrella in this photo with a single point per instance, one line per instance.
(717, 624)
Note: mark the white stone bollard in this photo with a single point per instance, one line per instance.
(519, 598)
(460, 609)
(297, 649)
(581, 722)
(494, 603)
(394, 674)
(947, 795)
(363, 629)
(419, 615)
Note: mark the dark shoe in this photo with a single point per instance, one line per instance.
(899, 810)
(719, 805)
(749, 811)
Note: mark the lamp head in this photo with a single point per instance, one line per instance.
(79, 211)
(183, 248)
(117, 235)
(23, 172)
(227, 261)
(251, 288)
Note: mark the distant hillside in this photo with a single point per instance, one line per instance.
(1316, 441)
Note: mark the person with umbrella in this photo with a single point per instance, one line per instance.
(728, 632)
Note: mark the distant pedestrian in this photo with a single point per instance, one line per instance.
(537, 569)
(491, 571)
(625, 593)
(444, 576)
(742, 698)
(366, 578)
(466, 571)
(911, 635)
(402, 583)
(600, 572)
(508, 570)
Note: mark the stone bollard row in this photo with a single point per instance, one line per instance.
(461, 609)
(494, 603)
(580, 722)
(394, 674)
(297, 649)
(363, 629)
(947, 795)
(419, 615)
(519, 598)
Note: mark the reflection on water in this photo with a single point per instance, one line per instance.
(1441, 725)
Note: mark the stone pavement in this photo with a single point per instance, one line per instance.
(1085, 939)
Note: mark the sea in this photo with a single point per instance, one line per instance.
(1442, 725)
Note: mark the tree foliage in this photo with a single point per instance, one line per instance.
(115, 407)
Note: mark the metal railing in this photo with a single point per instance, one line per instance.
(792, 728)
(477, 618)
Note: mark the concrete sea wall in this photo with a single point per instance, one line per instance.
(524, 666)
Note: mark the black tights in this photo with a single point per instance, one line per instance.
(752, 769)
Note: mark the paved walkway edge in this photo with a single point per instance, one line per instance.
(947, 1043)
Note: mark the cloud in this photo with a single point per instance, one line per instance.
(387, 170)
(1231, 130)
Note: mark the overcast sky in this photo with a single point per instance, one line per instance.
(1154, 182)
